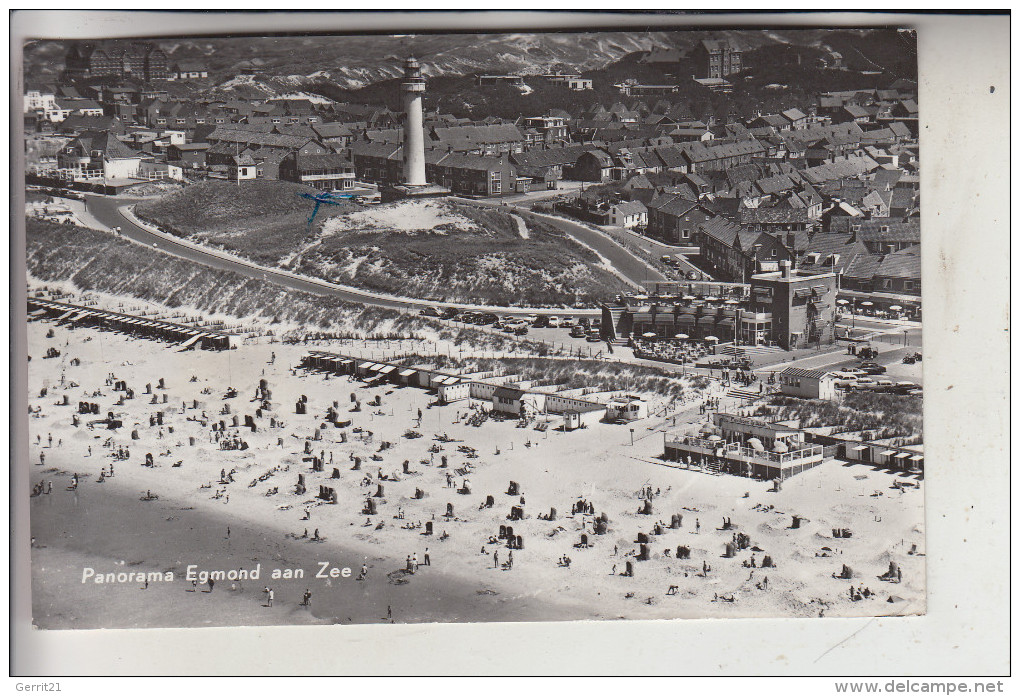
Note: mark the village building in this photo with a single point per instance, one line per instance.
(676, 219)
(792, 308)
(716, 58)
(750, 447)
(808, 384)
(329, 172)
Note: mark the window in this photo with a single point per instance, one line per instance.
(685, 234)
(886, 284)
(908, 285)
(773, 253)
(495, 182)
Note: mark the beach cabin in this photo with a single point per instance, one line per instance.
(627, 408)
(807, 384)
(574, 419)
(457, 391)
(518, 402)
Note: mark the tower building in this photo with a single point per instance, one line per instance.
(413, 89)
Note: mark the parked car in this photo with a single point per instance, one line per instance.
(521, 330)
(593, 337)
(844, 379)
(554, 322)
(541, 323)
(905, 387)
(871, 368)
(449, 312)
(429, 312)
(577, 331)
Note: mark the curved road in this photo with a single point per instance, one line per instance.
(626, 264)
(107, 211)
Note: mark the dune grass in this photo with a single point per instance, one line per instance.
(483, 261)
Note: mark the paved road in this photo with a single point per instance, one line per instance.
(627, 264)
(106, 210)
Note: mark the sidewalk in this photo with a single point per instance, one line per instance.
(84, 217)
(890, 322)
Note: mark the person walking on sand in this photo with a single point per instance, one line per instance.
(42, 458)
(428, 561)
(389, 613)
(495, 559)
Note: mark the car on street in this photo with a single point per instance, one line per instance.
(872, 368)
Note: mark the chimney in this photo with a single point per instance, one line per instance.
(784, 268)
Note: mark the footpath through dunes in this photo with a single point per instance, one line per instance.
(435, 249)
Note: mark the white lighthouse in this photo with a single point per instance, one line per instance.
(413, 89)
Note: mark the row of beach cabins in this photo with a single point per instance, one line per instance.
(185, 336)
(508, 394)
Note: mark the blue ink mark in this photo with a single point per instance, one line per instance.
(330, 198)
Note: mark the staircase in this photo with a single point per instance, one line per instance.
(762, 350)
(730, 349)
(741, 393)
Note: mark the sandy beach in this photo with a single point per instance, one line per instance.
(104, 525)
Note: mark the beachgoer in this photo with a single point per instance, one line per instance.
(495, 559)
(428, 561)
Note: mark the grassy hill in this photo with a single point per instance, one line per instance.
(433, 250)
(99, 261)
(260, 220)
(482, 257)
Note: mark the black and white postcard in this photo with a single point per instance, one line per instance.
(558, 325)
